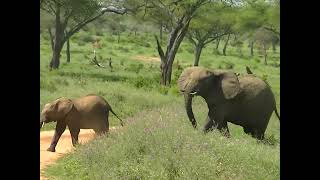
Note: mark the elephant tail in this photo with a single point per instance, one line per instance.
(121, 122)
(276, 111)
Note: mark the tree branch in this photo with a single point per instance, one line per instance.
(112, 9)
(160, 51)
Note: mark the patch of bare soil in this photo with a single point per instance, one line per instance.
(146, 58)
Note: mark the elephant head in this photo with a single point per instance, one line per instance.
(215, 86)
(55, 111)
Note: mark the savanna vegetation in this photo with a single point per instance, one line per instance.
(141, 48)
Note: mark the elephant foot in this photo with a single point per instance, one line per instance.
(51, 149)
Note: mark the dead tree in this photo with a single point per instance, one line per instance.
(95, 61)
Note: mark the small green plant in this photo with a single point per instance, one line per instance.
(87, 38)
(270, 140)
(135, 68)
(163, 90)
(264, 77)
(47, 85)
(141, 81)
(62, 82)
(226, 65)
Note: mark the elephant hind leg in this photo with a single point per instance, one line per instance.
(259, 134)
(74, 135)
(254, 132)
(248, 130)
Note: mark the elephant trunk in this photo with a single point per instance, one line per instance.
(188, 105)
(41, 124)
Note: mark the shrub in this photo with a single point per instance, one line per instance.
(47, 85)
(163, 90)
(226, 65)
(141, 81)
(87, 38)
(135, 68)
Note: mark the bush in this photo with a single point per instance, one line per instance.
(99, 33)
(163, 90)
(61, 82)
(135, 68)
(123, 49)
(174, 90)
(81, 43)
(48, 85)
(141, 81)
(87, 38)
(256, 59)
(190, 50)
(226, 65)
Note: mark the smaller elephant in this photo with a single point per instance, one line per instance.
(88, 112)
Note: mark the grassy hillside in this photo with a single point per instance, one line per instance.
(158, 141)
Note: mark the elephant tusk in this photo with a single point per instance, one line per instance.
(193, 93)
(42, 124)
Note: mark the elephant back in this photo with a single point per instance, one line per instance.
(253, 86)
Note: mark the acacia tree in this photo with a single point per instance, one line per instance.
(74, 14)
(208, 26)
(181, 13)
(264, 39)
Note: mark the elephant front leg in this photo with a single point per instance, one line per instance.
(210, 123)
(223, 128)
(60, 127)
(219, 121)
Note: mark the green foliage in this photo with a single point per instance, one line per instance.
(135, 67)
(226, 65)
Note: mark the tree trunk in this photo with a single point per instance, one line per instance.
(217, 43)
(225, 45)
(265, 54)
(251, 48)
(119, 37)
(274, 46)
(58, 41)
(68, 50)
(51, 38)
(197, 53)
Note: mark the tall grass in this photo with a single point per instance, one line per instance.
(161, 144)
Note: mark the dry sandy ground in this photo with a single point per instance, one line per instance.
(64, 146)
(146, 58)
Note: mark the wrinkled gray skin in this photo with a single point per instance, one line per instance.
(244, 100)
(88, 112)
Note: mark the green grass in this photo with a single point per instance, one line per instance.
(158, 141)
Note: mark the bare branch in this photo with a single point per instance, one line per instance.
(95, 61)
(160, 51)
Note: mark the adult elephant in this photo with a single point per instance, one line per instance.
(244, 100)
(88, 112)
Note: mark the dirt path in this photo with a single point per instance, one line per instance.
(64, 146)
(146, 58)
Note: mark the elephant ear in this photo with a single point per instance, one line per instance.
(62, 107)
(229, 84)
